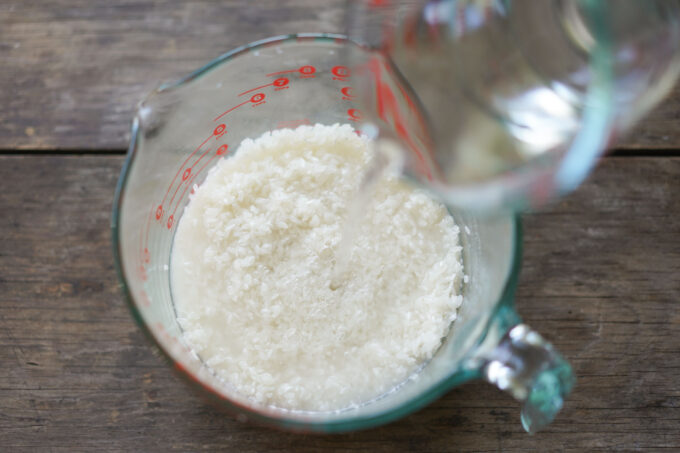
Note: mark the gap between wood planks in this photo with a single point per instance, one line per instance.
(624, 152)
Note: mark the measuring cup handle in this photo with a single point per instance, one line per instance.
(525, 365)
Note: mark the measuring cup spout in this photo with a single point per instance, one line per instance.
(152, 112)
(525, 365)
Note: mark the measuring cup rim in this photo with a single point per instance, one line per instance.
(352, 422)
(247, 48)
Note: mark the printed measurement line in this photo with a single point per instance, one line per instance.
(180, 168)
(219, 152)
(306, 71)
(235, 107)
(190, 183)
(141, 247)
(280, 83)
(282, 72)
(148, 227)
(199, 158)
(412, 106)
(177, 189)
(256, 88)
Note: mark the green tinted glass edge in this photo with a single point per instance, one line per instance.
(353, 423)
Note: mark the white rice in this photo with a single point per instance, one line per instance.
(252, 265)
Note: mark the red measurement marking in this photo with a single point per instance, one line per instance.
(282, 72)
(220, 151)
(278, 83)
(142, 273)
(257, 98)
(220, 130)
(141, 244)
(182, 166)
(354, 114)
(233, 108)
(190, 185)
(171, 221)
(347, 93)
(145, 299)
(171, 339)
(148, 227)
(307, 72)
(144, 241)
(256, 88)
(340, 72)
(159, 212)
(388, 109)
(163, 333)
(413, 108)
(201, 157)
(175, 193)
(281, 82)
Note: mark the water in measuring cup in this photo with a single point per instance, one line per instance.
(496, 93)
(472, 100)
(481, 129)
(506, 89)
(384, 157)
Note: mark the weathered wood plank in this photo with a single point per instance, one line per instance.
(73, 70)
(599, 280)
(660, 130)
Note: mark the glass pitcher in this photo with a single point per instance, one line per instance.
(505, 104)
(182, 129)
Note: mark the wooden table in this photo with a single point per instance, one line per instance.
(600, 275)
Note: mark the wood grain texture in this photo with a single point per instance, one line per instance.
(660, 130)
(73, 70)
(599, 280)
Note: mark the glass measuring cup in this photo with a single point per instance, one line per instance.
(503, 105)
(181, 129)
